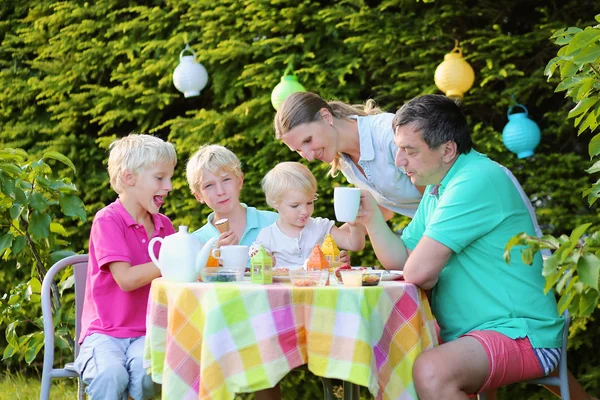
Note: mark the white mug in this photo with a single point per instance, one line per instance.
(235, 257)
(346, 201)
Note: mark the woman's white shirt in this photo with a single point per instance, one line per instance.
(387, 183)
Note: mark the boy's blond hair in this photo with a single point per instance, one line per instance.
(134, 153)
(214, 158)
(287, 176)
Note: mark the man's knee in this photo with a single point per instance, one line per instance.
(428, 373)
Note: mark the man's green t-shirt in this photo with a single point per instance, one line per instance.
(475, 211)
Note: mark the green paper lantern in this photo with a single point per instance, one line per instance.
(289, 84)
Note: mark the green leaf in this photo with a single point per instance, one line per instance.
(59, 157)
(588, 54)
(15, 211)
(55, 227)
(72, 206)
(583, 106)
(9, 351)
(5, 241)
(551, 67)
(38, 202)
(11, 169)
(583, 39)
(588, 270)
(564, 301)
(588, 302)
(39, 225)
(20, 196)
(578, 232)
(569, 83)
(18, 244)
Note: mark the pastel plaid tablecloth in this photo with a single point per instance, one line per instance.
(210, 341)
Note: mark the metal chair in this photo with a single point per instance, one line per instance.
(562, 380)
(80, 265)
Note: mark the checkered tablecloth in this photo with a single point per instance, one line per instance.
(210, 341)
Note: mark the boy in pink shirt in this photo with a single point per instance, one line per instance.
(113, 324)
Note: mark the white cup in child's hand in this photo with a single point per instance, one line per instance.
(346, 201)
(235, 257)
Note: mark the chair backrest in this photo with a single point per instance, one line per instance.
(80, 270)
(80, 264)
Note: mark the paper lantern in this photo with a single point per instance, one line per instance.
(189, 77)
(521, 135)
(289, 84)
(454, 76)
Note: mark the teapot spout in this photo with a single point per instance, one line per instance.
(202, 256)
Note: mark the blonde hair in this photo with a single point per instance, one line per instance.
(287, 176)
(134, 153)
(304, 107)
(215, 159)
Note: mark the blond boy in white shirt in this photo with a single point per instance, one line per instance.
(291, 189)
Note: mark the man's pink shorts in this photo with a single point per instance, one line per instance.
(509, 360)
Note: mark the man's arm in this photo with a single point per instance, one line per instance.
(425, 263)
(388, 247)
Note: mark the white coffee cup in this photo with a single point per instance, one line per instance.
(346, 201)
(235, 257)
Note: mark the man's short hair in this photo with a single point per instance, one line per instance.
(215, 159)
(134, 153)
(438, 118)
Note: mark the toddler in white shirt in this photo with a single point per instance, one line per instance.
(291, 189)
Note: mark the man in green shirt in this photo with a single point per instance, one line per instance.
(497, 325)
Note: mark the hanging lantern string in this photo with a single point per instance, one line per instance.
(456, 45)
(187, 48)
(289, 69)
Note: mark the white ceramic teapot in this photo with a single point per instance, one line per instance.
(182, 256)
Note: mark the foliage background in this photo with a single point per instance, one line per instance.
(75, 75)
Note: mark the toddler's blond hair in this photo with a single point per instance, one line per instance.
(134, 153)
(287, 176)
(214, 158)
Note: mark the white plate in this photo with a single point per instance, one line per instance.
(392, 275)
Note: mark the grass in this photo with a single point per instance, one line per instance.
(18, 386)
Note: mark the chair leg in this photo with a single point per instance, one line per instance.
(80, 389)
(327, 388)
(351, 391)
(45, 388)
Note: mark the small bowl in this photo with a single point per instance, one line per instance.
(304, 278)
(371, 277)
(214, 275)
(352, 277)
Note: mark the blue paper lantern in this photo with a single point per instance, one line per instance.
(521, 135)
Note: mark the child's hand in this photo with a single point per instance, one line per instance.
(227, 238)
(344, 257)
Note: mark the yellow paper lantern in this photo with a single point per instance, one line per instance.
(454, 76)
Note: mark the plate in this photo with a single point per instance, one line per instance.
(392, 275)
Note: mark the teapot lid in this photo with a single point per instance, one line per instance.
(183, 228)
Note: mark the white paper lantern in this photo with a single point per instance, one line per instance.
(189, 77)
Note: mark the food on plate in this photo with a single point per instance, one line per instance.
(371, 278)
(281, 271)
(222, 225)
(305, 282)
